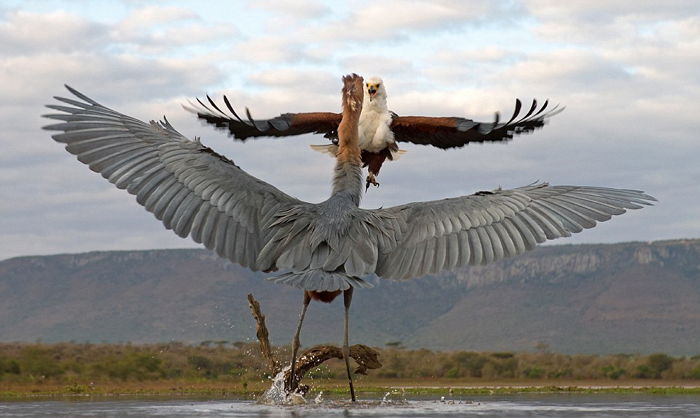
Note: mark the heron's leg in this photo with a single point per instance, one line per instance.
(291, 384)
(347, 298)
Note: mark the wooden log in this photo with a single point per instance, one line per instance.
(365, 357)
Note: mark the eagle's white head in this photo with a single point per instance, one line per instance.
(374, 90)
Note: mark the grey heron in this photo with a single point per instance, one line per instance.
(323, 248)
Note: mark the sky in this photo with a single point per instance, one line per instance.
(627, 72)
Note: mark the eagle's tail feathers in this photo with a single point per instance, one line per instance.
(330, 149)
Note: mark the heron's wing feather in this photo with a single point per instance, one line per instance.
(287, 124)
(193, 190)
(455, 132)
(488, 226)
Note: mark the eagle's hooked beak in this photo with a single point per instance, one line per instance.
(372, 91)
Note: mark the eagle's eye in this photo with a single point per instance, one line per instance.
(378, 84)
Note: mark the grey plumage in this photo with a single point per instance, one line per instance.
(320, 280)
(327, 246)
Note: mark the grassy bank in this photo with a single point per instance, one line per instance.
(220, 369)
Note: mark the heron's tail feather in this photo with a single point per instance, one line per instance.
(320, 280)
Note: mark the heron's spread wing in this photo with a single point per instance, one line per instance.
(287, 124)
(488, 226)
(190, 188)
(453, 132)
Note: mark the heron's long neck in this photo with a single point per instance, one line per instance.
(347, 178)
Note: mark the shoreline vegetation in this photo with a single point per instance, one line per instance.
(221, 369)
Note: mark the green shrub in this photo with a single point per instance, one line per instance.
(452, 373)
(9, 366)
(39, 362)
(644, 372)
(559, 373)
(506, 368)
(659, 363)
(654, 366)
(502, 355)
(533, 372)
(471, 362)
(612, 372)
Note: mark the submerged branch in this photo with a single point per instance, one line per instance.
(365, 357)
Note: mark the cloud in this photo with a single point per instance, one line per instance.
(346, 31)
(476, 55)
(296, 80)
(156, 29)
(382, 65)
(605, 22)
(271, 92)
(123, 76)
(627, 73)
(295, 9)
(272, 49)
(173, 39)
(52, 198)
(565, 70)
(150, 16)
(394, 19)
(25, 32)
(583, 10)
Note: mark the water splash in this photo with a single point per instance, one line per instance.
(276, 394)
(385, 399)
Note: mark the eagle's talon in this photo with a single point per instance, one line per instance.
(371, 180)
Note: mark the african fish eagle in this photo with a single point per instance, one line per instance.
(380, 129)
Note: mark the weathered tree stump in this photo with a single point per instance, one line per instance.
(365, 357)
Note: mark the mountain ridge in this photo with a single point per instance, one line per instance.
(636, 297)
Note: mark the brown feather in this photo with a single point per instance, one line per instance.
(318, 122)
(454, 132)
(374, 160)
(293, 123)
(326, 297)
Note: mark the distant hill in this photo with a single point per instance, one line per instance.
(612, 298)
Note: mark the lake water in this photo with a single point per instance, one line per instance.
(528, 405)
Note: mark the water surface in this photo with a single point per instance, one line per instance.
(526, 405)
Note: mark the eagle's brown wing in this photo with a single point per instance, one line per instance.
(454, 132)
(287, 124)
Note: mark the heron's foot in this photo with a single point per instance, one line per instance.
(290, 384)
(371, 179)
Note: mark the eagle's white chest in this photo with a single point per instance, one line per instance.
(374, 127)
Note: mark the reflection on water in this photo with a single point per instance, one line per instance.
(530, 405)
